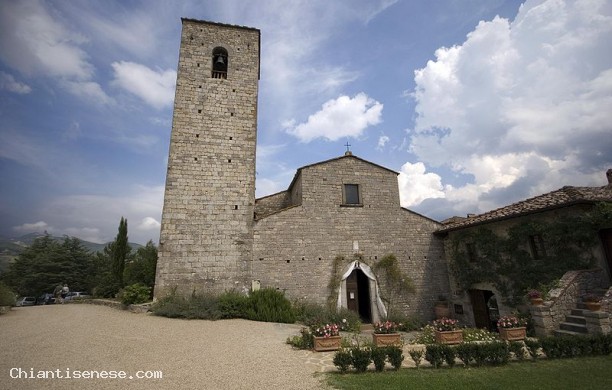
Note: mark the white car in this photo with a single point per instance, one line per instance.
(74, 295)
(26, 301)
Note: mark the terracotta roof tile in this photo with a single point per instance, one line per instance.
(562, 197)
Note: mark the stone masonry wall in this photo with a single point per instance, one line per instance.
(272, 204)
(207, 221)
(294, 250)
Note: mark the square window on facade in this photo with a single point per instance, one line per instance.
(351, 194)
(538, 249)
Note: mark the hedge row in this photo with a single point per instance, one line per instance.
(500, 352)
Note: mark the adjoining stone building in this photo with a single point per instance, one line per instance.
(536, 241)
(337, 219)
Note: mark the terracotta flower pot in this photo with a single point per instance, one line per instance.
(449, 337)
(537, 301)
(513, 334)
(388, 339)
(331, 343)
(593, 306)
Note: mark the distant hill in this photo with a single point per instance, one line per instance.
(11, 247)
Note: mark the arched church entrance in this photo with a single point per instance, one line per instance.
(358, 295)
(359, 292)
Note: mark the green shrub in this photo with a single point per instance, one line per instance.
(449, 355)
(204, 306)
(551, 347)
(361, 358)
(269, 305)
(135, 293)
(379, 356)
(233, 304)
(417, 357)
(304, 341)
(172, 306)
(480, 354)
(434, 355)
(466, 352)
(7, 297)
(197, 306)
(395, 355)
(497, 352)
(601, 344)
(342, 360)
(309, 313)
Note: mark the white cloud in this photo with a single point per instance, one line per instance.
(342, 117)
(519, 98)
(96, 217)
(8, 82)
(39, 226)
(156, 88)
(382, 141)
(149, 223)
(34, 43)
(88, 90)
(415, 185)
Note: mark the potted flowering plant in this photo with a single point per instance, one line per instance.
(447, 331)
(326, 337)
(386, 334)
(535, 296)
(512, 328)
(592, 302)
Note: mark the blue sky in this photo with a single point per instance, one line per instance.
(477, 103)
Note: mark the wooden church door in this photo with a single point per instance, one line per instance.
(358, 295)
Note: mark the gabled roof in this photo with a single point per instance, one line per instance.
(346, 155)
(563, 197)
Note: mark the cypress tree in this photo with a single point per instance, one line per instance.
(119, 252)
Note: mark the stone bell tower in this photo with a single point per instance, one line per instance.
(206, 239)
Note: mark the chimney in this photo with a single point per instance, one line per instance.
(609, 176)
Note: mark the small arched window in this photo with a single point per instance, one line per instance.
(220, 63)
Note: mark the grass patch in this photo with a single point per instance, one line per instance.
(581, 373)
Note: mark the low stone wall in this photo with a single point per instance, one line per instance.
(140, 308)
(561, 301)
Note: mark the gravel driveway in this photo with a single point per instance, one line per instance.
(77, 338)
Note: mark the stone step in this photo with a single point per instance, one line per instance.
(578, 328)
(367, 327)
(578, 312)
(561, 332)
(576, 319)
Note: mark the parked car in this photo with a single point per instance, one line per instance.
(45, 299)
(74, 295)
(26, 301)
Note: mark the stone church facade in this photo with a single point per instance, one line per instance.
(318, 241)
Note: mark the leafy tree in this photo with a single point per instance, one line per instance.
(47, 263)
(141, 268)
